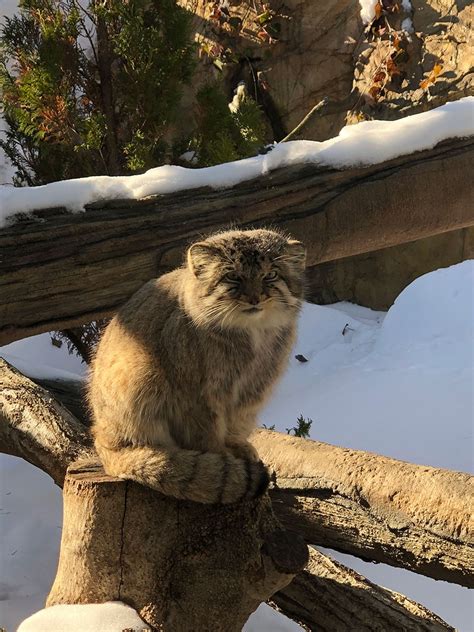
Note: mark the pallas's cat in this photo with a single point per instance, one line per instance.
(183, 369)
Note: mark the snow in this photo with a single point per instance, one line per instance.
(423, 331)
(366, 143)
(112, 616)
(30, 532)
(399, 384)
(407, 25)
(367, 10)
(37, 357)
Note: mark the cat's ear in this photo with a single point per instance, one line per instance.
(295, 252)
(199, 256)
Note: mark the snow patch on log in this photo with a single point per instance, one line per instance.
(366, 143)
(113, 616)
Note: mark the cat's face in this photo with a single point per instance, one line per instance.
(248, 279)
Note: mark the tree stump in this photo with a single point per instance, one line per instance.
(182, 566)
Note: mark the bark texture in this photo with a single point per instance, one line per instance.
(374, 507)
(37, 427)
(182, 566)
(329, 597)
(69, 269)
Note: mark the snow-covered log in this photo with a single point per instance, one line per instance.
(329, 596)
(60, 269)
(376, 508)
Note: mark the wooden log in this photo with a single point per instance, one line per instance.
(376, 508)
(59, 270)
(182, 566)
(329, 596)
(405, 515)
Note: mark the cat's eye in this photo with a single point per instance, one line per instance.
(232, 276)
(271, 276)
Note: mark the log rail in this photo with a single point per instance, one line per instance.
(59, 270)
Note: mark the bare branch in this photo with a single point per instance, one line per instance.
(319, 106)
(36, 427)
(329, 596)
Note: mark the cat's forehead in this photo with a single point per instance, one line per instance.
(251, 248)
(247, 254)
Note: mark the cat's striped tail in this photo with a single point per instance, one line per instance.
(204, 477)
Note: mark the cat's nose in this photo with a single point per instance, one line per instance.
(254, 300)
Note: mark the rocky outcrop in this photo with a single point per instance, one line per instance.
(419, 56)
(413, 56)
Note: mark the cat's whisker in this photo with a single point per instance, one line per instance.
(229, 313)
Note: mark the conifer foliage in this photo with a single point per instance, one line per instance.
(92, 88)
(225, 133)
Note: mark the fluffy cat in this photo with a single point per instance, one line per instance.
(186, 364)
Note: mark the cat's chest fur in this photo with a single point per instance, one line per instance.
(248, 365)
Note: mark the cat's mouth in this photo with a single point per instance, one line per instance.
(253, 310)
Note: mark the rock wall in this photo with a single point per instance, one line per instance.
(376, 279)
(425, 51)
(414, 56)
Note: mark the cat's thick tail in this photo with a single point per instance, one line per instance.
(204, 477)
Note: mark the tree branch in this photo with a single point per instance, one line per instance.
(36, 427)
(104, 63)
(69, 269)
(319, 106)
(329, 596)
(374, 507)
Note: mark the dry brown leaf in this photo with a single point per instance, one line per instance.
(379, 76)
(374, 91)
(392, 68)
(429, 81)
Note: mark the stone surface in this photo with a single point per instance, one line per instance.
(375, 279)
(323, 50)
(441, 36)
